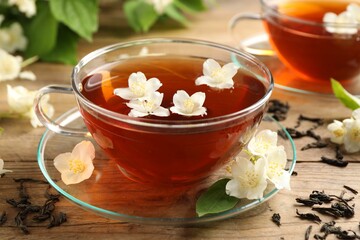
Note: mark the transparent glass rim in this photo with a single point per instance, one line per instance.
(272, 9)
(73, 114)
(174, 123)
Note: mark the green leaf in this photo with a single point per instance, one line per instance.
(173, 13)
(65, 49)
(191, 6)
(140, 15)
(344, 96)
(215, 199)
(41, 31)
(81, 16)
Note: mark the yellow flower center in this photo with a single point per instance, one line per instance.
(217, 75)
(251, 180)
(148, 105)
(355, 134)
(77, 166)
(274, 169)
(339, 132)
(189, 105)
(138, 89)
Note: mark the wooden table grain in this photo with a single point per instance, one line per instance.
(18, 147)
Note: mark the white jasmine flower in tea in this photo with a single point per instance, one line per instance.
(2, 170)
(149, 105)
(347, 18)
(276, 173)
(139, 87)
(216, 76)
(188, 105)
(10, 66)
(248, 179)
(352, 136)
(160, 5)
(337, 130)
(76, 166)
(28, 7)
(262, 142)
(12, 38)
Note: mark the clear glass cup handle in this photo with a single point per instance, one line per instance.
(244, 44)
(48, 122)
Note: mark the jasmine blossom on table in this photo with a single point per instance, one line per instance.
(2, 170)
(76, 166)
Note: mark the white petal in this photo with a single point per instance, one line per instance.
(124, 93)
(203, 80)
(282, 181)
(28, 75)
(225, 85)
(199, 112)
(84, 150)
(152, 85)
(278, 155)
(161, 112)
(356, 114)
(2, 170)
(261, 143)
(179, 97)
(209, 66)
(61, 162)
(136, 113)
(135, 78)
(229, 70)
(198, 98)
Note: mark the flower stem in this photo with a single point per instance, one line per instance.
(29, 61)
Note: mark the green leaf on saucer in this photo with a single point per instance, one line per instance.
(344, 96)
(215, 199)
(41, 31)
(140, 15)
(81, 16)
(65, 49)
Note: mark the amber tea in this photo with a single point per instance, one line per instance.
(180, 155)
(301, 40)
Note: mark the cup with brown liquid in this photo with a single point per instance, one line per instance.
(314, 48)
(173, 149)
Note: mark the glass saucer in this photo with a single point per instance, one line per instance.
(285, 78)
(108, 193)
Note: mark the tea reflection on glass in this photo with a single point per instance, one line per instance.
(176, 149)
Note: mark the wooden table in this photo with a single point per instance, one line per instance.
(18, 146)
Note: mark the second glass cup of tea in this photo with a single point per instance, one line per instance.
(313, 48)
(174, 149)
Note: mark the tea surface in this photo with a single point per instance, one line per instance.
(175, 74)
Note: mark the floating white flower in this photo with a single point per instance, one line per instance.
(262, 142)
(188, 105)
(20, 101)
(335, 21)
(149, 105)
(354, 10)
(10, 66)
(139, 87)
(2, 170)
(337, 130)
(160, 5)
(28, 7)
(76, 166)
(352, 136)
(12, 38)
(248, 179)
(216, 76)
(276, 173)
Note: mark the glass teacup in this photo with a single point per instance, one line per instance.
(314, 48)
(165, 150)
